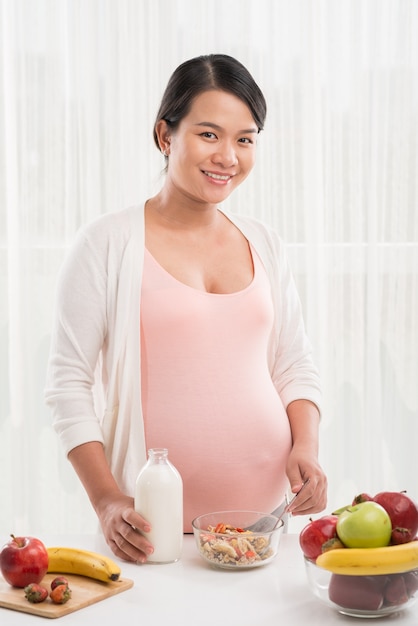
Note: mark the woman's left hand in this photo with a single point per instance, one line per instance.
(303, 468)
(307, 477)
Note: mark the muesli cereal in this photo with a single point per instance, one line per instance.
(246, 549)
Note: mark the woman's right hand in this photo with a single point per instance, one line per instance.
(122, 528)
(121, 525)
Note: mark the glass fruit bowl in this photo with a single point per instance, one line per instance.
(361, 595)
(237, 539)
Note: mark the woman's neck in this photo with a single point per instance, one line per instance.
(182, 214)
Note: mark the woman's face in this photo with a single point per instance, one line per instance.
(213, 149)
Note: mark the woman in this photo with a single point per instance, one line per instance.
(188, 321)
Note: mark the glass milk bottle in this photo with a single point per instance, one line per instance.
(159, 499)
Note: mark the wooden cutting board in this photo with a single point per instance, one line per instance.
(85, 591)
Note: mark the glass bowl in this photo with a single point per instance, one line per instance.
(363, 596)
(237, 539)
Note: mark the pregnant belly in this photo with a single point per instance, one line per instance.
(231, 452)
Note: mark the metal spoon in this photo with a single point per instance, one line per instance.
(263, 524)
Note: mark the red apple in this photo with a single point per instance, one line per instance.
(403, 513)
(361, 497)
(23, 560)
(316, 534)
(411, 582)
(396, 592)
(357, 592)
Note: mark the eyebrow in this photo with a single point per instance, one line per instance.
(217, 127)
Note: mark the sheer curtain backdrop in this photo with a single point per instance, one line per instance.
(337, 176)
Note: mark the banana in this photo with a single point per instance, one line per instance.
(371, 561)
(63, 560)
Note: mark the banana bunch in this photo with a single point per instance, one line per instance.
(64, 560)
(371, 561)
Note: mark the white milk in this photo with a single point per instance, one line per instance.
(159, 499)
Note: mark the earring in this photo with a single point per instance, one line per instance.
(164, 152)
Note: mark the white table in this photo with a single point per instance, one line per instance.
(191, 592)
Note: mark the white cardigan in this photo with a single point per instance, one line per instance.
(93, 381)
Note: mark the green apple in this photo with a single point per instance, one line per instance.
(364, 525)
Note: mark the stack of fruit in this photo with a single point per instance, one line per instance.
(24, 562)
(370, 550)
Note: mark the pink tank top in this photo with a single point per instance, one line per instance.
(207, 394)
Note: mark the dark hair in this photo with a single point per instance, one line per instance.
(204, 73)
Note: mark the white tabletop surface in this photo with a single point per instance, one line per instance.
(191, 592)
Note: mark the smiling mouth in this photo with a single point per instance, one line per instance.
(223, 177)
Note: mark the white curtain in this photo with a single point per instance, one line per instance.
(336, 175)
